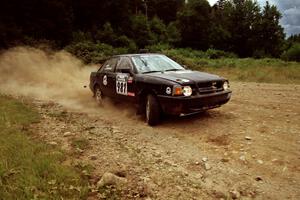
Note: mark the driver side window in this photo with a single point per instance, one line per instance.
(109, 66)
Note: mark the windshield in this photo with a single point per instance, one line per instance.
(155, 63)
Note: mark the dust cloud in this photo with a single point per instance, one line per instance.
(51, 76)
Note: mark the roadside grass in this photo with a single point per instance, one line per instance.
(226, 64)
(30, 169)
(255, 70)
(265, 70)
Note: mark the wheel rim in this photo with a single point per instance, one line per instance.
(147, 110)
(98, 95)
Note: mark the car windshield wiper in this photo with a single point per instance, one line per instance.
(151, 72)
(168, 70)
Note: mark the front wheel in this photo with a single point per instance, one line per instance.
(152, 110)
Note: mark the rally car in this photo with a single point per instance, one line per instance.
(158, 85)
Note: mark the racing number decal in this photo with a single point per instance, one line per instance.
(121, 84)
(121, 87)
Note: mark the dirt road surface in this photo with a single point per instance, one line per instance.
(247, 149)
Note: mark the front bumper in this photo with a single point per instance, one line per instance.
(193, 104)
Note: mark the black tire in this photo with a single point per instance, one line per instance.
(153, 110)
(98, 95)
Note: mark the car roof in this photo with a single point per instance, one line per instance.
(138, 54)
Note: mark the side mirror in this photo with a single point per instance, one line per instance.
(184, 66)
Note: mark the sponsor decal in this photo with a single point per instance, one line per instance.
(168, 90)
(131, 94)
(104, 81)
(183, 72)
(130, 80)
(121, 84)
(185, 80)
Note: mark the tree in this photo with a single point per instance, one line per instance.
(166, 10)
(243, 18)
(194, 24)
(220, 33)
(173, 33)
(270, 35)
(140, 31)
(51, 20)
(158, 29)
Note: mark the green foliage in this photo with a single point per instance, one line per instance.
(173, 34)
(159, 29)
(216, 54)
(269, 34)
(106, 35)
(158, 48)
(190, 53)
(31, 169)
(140, 30)
(194, 24)
(236, 69)
(80, 36)
(239, 26)
(292, 54)
(91, 52)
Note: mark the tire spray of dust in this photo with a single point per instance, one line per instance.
(52, 76)
(56, 76)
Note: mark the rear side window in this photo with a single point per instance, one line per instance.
(109, 66)
(124, 63)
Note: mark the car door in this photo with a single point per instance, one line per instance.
(107, 77)
(125, 83)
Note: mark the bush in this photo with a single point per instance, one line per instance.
(80, 36)
(292, 54)
(125, 42)
(215, 54)
(91, 52)
(158, 48)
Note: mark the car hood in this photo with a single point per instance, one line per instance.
(186, 76)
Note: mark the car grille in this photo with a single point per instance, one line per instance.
(210, 87)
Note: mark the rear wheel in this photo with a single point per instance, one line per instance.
(98, 95)
(152, 110)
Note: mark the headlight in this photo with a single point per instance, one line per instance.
(185, 90)
(226, 85)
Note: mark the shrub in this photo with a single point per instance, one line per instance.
(80, 36)
(292, 54)
(125, 42)
(158, 48)
(91, 52)
(215, 54)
